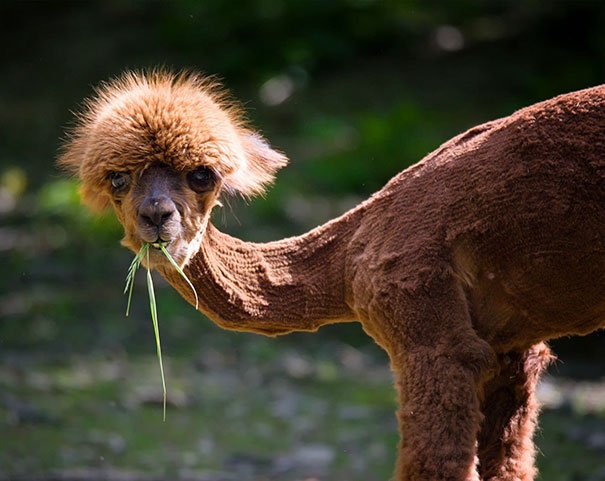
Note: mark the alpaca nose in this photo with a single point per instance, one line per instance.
(156, 211)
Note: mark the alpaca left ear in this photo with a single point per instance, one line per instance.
(258, 166)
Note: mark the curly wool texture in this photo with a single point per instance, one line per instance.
(179, 120)
(460, 267)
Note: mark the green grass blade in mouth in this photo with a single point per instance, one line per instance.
(156, 329)
(132, 271)
(180, 271)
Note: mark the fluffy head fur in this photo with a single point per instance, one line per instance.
(184, 121)
(154, 131)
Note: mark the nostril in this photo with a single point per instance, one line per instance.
(165, 216)
(156, 211)
(145, 219)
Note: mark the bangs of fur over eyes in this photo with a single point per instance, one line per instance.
(112, 92)
(183, 119)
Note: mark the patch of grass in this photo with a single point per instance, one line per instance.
(566, 446)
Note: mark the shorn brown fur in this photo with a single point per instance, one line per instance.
(461, 267)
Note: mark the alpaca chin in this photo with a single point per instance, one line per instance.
(187, 250)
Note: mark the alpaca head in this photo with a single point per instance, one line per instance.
(161, 149)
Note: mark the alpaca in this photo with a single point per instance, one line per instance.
(461, 267)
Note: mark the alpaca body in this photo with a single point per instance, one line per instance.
(514, 210)
(460, 267)
(506, 222)
(514, 214)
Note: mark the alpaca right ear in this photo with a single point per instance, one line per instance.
(258, 166)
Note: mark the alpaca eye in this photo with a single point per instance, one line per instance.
(119, 180)
(201, 179)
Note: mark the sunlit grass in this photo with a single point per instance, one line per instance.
(132, 270)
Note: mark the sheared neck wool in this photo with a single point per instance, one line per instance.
(272, 288)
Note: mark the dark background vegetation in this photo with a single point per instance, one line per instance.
(353, 91)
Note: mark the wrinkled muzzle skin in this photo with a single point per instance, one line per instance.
(159, 205)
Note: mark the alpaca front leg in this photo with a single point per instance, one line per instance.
(506, 448)
(439, 363)
(439, 418)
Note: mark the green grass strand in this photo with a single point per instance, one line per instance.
(132, 271)
(180, 271)
(156, 329)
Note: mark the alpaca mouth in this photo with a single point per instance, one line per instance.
(159, 243)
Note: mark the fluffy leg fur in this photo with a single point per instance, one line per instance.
(439, 363)
(506, 449)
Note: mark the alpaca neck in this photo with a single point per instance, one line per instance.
(295, 284)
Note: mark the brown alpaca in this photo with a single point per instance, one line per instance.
(460, 267)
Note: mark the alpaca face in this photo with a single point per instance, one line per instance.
(161, 149)
(162, 205)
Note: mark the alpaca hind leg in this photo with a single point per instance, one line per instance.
(506, 448)
(439, 363)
